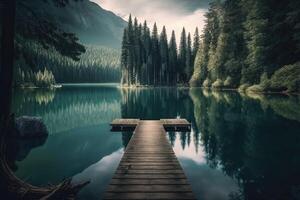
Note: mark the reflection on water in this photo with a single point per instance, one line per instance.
(240, 147)
(72, 107)
(256, 142)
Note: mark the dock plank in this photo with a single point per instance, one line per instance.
(149, 168)
(150, 196)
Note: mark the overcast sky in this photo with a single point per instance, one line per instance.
(174, 14)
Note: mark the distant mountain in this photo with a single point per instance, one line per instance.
(91, 23)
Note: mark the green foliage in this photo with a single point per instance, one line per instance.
(164, 54)
(242, 88)
(173, 60)
(196, 43)
(41, 78)
(195, 80)
(217, 84)
(286, 78)
(264, 81)
(203, 63)
(97, 64)
(182, 56)
(228, 82)
(255, 89)
(206, 83)
(200, 67)
(256, 36)
(249, 41)
(148, 59)
(44, 78)
(189, 63)
(34, 24)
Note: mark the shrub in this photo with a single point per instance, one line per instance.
(206, 83)
(195, 82)
(217, 84)
(264, 81)
(243, 87)
(255, 89)
(286, 78)
(228, 82)
(44, 79)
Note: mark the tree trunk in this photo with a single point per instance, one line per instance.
(7, 57)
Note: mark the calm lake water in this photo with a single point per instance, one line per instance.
(240, 147)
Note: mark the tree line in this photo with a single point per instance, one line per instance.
(150, 59)
(97, 64)
(253, 45)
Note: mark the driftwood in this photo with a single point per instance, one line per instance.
(19, 189)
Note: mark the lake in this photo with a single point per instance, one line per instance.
(240, 147)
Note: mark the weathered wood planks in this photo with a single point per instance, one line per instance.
(149, 168)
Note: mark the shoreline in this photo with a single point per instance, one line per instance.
(37, 87)
(210, 88)
(60, 85)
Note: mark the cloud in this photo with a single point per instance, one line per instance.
(174, 14)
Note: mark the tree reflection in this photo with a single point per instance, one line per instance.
(126, 136)
(158, 103)
(82, 106)
(251, 140)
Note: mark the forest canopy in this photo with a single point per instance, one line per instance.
(151, 59)
(253, 45)
(44, 45)
(97, 64)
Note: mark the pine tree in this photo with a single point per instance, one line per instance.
(228, 57)
(173, 61)
(182, 56)
(136, 38)
(196, 44)
(130, 51)
(201, 76)
(164, 57)
(124, 58)
(188, 65)
(255, 35)
(155, 55)
(146, 40)
(214, 23)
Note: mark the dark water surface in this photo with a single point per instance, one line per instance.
(240, 147)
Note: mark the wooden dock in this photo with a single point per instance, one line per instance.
(149, 168)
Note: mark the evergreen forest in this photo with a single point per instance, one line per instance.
(97, 64)
(151, 59)
(252, 45)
